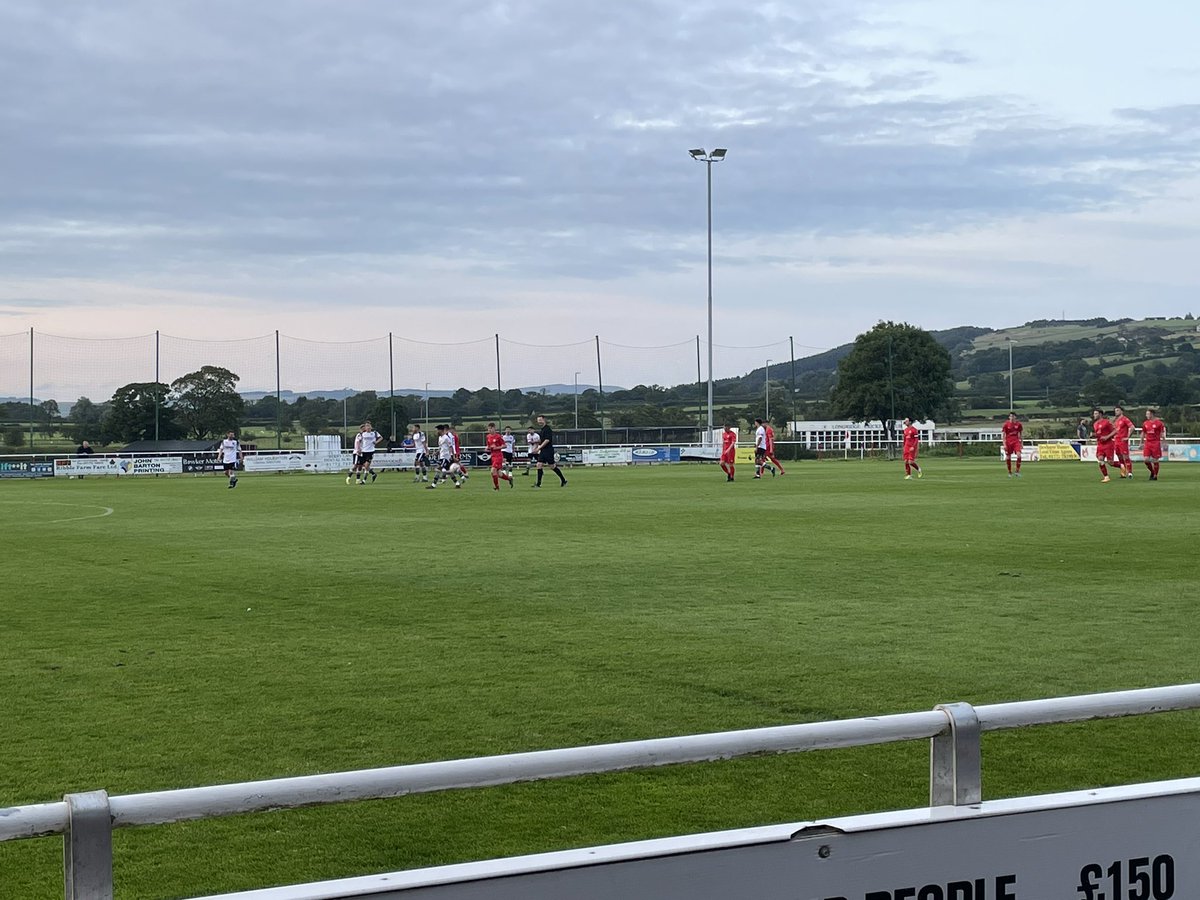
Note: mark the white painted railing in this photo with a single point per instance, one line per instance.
(86, 820)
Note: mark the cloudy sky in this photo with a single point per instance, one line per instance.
(218, 169)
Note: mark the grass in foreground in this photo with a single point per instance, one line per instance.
(295, 625)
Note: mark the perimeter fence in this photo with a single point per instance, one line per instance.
(36, 367)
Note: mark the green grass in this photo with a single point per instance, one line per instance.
(296, 625)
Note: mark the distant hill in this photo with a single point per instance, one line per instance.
(346, 393)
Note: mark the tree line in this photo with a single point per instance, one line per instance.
(892, 368)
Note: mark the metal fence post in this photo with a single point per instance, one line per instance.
(87, 847)
(955, 759)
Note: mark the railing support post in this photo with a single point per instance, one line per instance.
(87, 847)
(955, 759)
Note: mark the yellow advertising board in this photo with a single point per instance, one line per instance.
(1057, 451)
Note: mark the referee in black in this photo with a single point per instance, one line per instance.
(545, 452)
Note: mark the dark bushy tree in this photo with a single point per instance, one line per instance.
(206, 401)
(893, 360)
(131, 414)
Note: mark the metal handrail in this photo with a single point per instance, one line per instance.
(953, 729)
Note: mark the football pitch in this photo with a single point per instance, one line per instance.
(170, 632)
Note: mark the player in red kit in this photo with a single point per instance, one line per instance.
(912, 438)
(728, 451)
(1012, 443)
(1104, 432)
(771, 450)
(494, 442)
(1153, 430)
(1123, 427)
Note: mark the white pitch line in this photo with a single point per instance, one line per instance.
(108, 511)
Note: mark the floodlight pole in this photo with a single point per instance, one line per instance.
(700, 155)
(1010, 375)
(577, 401)
(767, 390)
(427, 404)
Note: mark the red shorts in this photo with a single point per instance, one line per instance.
(1122, 448)
(727, 457)
(1151, 451)
(1105, 452)
(910, 454)
(497, 461)
(1012, 447)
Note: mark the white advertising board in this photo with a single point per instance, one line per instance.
(607, 456)
(397, 459)
(276, 462)
(138, 465)
(1127, 843)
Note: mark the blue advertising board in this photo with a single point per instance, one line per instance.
(655, 454)
(25, 468)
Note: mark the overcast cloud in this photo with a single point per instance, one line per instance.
(447, 171)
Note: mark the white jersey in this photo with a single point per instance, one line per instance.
(533, 439)
(760, 438)
(510, 443)
(446, 446)
(230, 450)
(368, 440)
(418, 439)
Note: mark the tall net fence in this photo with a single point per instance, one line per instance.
(63, 369)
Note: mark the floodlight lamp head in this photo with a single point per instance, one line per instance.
(698, 153)
(718, 154)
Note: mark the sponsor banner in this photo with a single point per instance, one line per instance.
(1125, 843)
(1056, 451)
(26, 469)
(692, 454)
(325, 463)
(397, 459)
(105, 465)
(607, 456)
(655, 454)
(1183, 452)
(200, 462)
(154, 465)
(276, 462)
(138, 465)
(744, 455)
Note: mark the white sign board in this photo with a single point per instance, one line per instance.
(108, 465)
(1127, 843)
(607, 456)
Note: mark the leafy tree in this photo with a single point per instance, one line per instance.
(893, 360)
(206, 401)
(381, 416)
(50, 411)
(313, 419)
(131, 412)
(85, 416)
(1167, 391)
(14, 436)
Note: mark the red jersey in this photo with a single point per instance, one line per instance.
(1153, 431)
(912, 437)
(457, 449)
(1103, 431)
(1123, 426)
(1012, 432)
(728, 444)
(495, 446)
(770, 441)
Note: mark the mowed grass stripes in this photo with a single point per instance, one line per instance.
(200, 635)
